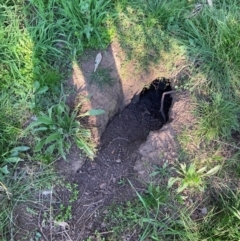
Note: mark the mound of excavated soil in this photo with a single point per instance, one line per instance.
(161, 146)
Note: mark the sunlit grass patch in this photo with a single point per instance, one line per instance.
(212, 39)
(218, 118)
(67, 26)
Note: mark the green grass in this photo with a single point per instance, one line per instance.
(211, 39)
(219, 117)
(222, 223)
(156, 215)
(72, 26)
(21, 189)
(39, 41)
(141, 28)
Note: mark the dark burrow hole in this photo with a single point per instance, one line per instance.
(151, 97)
(131, 127)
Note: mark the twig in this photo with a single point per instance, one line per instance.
(107, 232)
(40, 227)
(6, 190)
(162, 101)
(227, 144)
(118, 138)
(68, 236)
(51, 217)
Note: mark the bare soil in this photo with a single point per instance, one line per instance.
(107, 180)
(129, 138)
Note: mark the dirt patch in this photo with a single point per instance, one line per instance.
(106, 180)
(162, 146)
(131, 142)
(123, 82)
(129, 135)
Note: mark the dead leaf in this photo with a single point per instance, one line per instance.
(97, 61)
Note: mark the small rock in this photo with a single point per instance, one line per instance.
(103, 185)
(103, 225)
(141, 172)
(105, 211)
(118, 161)
(114, 179)
(204, 211)
(47, 192)
(106, 193)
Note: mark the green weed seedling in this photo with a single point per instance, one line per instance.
(97, 237)
(192, 178)
(163, 171)
(122, 181)
(66, 211)
(11, 158)
(57, 129)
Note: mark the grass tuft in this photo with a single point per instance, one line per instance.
(219, 118)
(211, 39)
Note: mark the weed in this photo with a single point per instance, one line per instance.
(122, 181)
(65, 211)
(59, 128)
(154, 216)
(163, 171)
(192, 178)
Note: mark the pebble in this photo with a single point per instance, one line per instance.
(103, 185)
(105, 211)
(204, 211)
